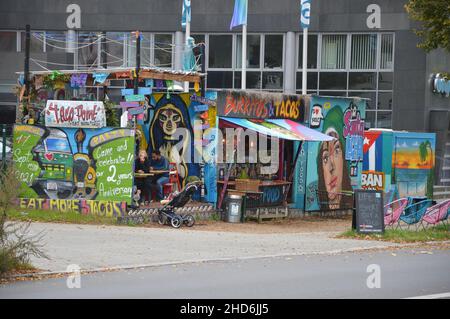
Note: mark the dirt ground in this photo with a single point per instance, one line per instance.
(293, 225)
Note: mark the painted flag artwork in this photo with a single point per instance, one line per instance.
(373, 150)
(239, 13)
(305, 13)
(186, 13)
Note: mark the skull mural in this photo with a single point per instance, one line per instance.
(171, 118)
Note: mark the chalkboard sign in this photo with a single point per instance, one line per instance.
(369, 211)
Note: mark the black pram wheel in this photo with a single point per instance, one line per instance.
(161, 219)
(189, 220)
(176, 221)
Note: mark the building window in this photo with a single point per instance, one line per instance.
(220, 79)
(362, 81)
(220, 51)
(88, 52)
(384, 119)
(387, 52)
(384, 101)
(37, 40)
(163, 50)
(312, 52)
(334, 48)
(385, 80)
(115, 49)
(273, 51)
(272, 81)
(8, 41)
(370, 96)
(333, 80)
(253, 51)
(364, 51)
(311, 80)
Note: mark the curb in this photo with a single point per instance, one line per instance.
(193, 261)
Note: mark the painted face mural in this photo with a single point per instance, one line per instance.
(337, 162)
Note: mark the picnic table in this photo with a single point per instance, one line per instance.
(150, 173)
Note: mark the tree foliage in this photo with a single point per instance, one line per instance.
(435, 18)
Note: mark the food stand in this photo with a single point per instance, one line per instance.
(276, 116)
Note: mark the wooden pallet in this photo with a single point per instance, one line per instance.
(269, 213)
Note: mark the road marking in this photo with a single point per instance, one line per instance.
(435, 296)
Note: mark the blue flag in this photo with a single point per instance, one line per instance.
(186, 13)
(239, 13)
(305, 13)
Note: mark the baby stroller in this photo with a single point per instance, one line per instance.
(167, 215)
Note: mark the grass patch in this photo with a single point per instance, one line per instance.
(50, 216)
(436, 233)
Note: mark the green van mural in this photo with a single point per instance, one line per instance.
(74, 163)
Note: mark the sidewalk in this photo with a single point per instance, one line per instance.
(93, 247)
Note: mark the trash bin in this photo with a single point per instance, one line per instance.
(234, 208)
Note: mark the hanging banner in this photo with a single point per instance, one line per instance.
(84, 114)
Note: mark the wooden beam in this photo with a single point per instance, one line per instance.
(147, 74)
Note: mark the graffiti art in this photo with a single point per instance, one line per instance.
(70, 163)
(334, 167)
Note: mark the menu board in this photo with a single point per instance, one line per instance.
(369, 211)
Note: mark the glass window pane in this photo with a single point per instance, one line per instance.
(163, 50)
(199, 39)
(272, 80)
(220, 50)
(36, 42)
(253, 80)
(88, 53)
(385, 101)
(114, 48)
(312, 51)
(333, 51)
(311, 81)
(385, 80)
(253, 51)
(8, 41)
(273, 51)
(387, 51)
(333, 80)
(371, 96)
(364, 51)
(369, 121)
(56, 41)
(362, 81)
(220, 80)
(384, 119)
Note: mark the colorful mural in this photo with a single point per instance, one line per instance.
(334, 168)
(159, 129)
(413, 163)
(377, 161)
(74, 163)
(80, 206)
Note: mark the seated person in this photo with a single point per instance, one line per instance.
(144, 184)
(159, 162)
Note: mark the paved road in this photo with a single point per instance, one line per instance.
(404, 273)
(94, 247)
